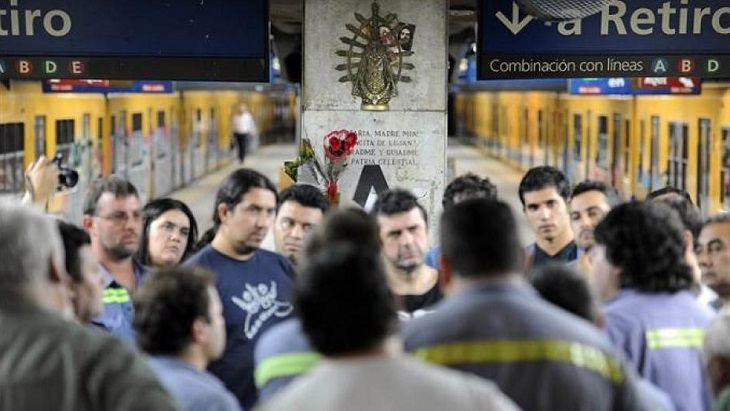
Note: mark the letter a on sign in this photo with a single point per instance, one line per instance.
(372, 177)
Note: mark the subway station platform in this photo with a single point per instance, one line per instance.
(200, 195)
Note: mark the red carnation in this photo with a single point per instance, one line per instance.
(350, 142)
(335, 144)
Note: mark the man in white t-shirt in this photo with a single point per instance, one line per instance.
(243, 127)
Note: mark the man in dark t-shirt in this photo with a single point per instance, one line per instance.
(255, 285)
(544, 193)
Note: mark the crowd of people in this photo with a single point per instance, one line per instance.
(615, 306)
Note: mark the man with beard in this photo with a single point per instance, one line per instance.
(112, 217)
(713, 254)
(544, 193)
(255, 285)
(590, 201)
(404, 233)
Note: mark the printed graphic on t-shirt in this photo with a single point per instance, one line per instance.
(260, 303)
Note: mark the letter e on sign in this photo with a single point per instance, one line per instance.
(76, 67)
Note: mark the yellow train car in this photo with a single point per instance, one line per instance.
(635, 143)
(158, 141)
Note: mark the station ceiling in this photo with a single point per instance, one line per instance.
(287, 15)
(286, 20)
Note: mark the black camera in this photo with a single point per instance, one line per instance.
(67, 176)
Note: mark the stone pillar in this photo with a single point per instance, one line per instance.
(392, 92)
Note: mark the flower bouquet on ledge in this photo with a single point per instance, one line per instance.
(338, 146)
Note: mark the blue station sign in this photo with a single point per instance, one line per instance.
(642, 38)
(135, 39)
(106, 86)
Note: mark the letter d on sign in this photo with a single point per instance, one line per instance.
(50, 67)
(713, 65)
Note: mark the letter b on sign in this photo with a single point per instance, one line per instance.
(686, 66)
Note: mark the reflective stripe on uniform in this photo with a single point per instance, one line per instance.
(675, 337)
(285, 365)
(116, 295)
(506, 351)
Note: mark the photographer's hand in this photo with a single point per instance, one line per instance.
(41, 180)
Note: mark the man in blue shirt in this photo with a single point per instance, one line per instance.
(112, 217)
(179, 322)
(255, 285)
(639, 264)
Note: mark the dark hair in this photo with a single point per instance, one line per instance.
(167, 305)
(591, 185)
(566, 288)
(73, 238)
(230, 193)
(109, 184)
(688, 213)
(151, 212)
(343, 300)
(667, 191)
(396, 201)
(645, 241)
(538, 178)
(480, 237)
(304, 194)
(718, 218)
(466, 186)
(343, 225)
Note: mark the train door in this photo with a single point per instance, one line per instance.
(574, 166)
(601, 168)
(616, 151)
(625, 186)
(162, 160)
(493, 139)
(725, 173)
(12, 148)
(175, 154)
(40, 136)
(97, 166)
(137, 160)
(704, 149)
(211, 152)
(120, 145)
(654, 172)
(677, 158)
(589, 146)
(196, 149)
(542, 144)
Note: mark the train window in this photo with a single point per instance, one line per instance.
(12, 148)
(703, 164)
(136, 122)
(136, 147)
(627, 147)
(495, 124)
(40, 135)
(160, 119)
(677, 159)
(525, 129)
(602, 153)
(725, 173)
(654, 153)
(86, 126)
(642, 142)
(615, 148)
(577, 136)
(198, 115)
(589, 148)
(64, 137)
